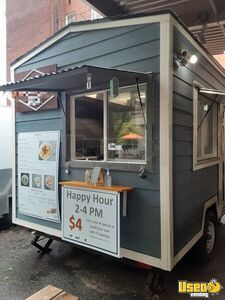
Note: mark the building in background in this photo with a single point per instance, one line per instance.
(30, 22)
(3, 100)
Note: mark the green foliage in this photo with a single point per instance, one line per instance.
(122, 125)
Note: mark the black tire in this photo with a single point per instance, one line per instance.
(205, 247)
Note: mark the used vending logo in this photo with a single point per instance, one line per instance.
(200, 289)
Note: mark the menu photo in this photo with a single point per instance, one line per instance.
(38, 159)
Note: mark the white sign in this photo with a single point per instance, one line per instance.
(91, 218)
(38, 157)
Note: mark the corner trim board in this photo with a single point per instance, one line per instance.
(166, 143)
(142, 258)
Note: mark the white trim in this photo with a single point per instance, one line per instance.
(142, 258)
(88, 27)
(190, 38)
(201, 165)
(187, 247)
(34, 70)
(166, 143)
(37, 227)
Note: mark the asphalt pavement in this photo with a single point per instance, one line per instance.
(23, 271)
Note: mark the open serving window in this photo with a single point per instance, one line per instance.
(206, 121)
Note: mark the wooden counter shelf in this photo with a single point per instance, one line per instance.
(81, 184)
(114, 188)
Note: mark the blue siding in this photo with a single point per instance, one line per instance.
(106, 48)
(134, 48)
(190, 189)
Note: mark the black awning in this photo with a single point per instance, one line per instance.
(76, 80)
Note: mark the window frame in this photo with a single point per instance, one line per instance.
(67, 16)
(95, 15)
(208, 159)
(115, 165)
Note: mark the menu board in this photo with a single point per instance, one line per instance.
(38, 160)
(91, 218)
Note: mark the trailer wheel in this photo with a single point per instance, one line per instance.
(154, 285)
(206, 245)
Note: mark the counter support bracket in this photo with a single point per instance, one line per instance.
(124, 203)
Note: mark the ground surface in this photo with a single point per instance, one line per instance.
(23, 271)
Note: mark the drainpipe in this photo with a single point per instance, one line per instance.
(56, 17)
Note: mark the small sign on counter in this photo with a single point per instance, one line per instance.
(91, 218)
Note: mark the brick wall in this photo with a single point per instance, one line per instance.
(30, 22)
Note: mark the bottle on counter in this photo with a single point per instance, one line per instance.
(108, 178)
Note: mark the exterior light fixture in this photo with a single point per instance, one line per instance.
(184, 57)
(193, 59)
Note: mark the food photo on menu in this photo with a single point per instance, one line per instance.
(49, 182)
(47, 150)
(36, 181)
(25, 179)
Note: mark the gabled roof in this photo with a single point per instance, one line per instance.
(69, 28)
(104, 23)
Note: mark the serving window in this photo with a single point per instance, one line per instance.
(205, 128)
(109, 129)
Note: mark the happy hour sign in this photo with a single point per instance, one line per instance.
(91, 219)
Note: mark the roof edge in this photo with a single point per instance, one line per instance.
(67, 29)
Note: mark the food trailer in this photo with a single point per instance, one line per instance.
(138, 96)
(5, 160)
